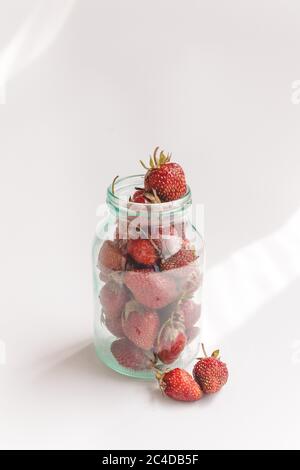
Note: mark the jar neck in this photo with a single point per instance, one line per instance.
(162, 213)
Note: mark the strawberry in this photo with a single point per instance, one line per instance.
(154, 290)
(139, 197)
(142, 251)
(210, 373)
(179, 385)
(110, 257)
(143, 197)
(171, 341)
(113, 298)
(181, 259)
(165, 179)
(129, 356)
(114, 326)
(140, 325)
(190, 313)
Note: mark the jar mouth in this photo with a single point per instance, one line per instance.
(124, 187)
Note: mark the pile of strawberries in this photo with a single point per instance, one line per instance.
(150, 278)
(210, 374)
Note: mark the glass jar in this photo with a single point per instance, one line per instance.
(148, 262)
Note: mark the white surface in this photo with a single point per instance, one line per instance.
(88, 88)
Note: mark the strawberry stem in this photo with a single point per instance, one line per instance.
(113, 184)
(203, 349)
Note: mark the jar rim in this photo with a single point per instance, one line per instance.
(118, 203)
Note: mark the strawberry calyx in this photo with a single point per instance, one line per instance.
(215, 354)
(171, 340)
(159, 374)
(173, 326)
(132, 306)
(152, 197)
(170, 329)
(141, 196)
(157, 162)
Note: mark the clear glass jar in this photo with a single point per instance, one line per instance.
(148, 262)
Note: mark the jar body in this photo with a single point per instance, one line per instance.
(148, 263)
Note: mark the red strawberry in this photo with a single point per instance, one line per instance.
(179, 385)
(165, 179)
(139, 197)
(181, 259)
(154, 290)
(110, 257)
(143, 197)
(142, 251)
(129, 356)
(113, 298)
(210, 373)
(140, 325)
(171, 341)
(190, 313)
(114, 326)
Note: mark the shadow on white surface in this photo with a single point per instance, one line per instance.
(251, 277)
(157, 399)
(79, 361)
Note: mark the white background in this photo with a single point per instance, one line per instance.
(89, 87)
